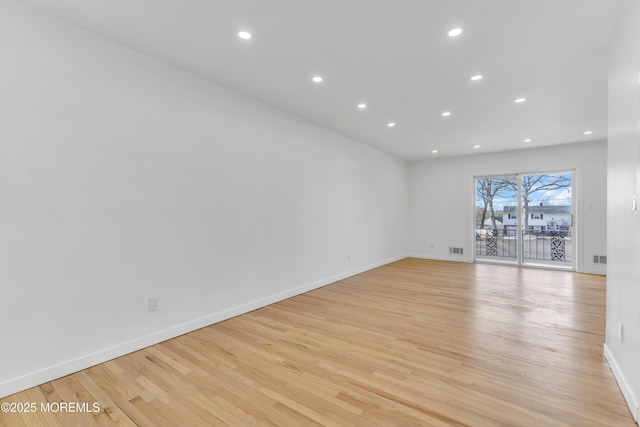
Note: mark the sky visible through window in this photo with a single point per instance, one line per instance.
(548, 189)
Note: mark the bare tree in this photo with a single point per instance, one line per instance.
(487, 189)
(535, 183)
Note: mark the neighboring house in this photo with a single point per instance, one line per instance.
(539, 218)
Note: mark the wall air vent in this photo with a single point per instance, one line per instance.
(599, 259)
(456, 251)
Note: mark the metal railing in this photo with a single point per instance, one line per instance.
(553, 246)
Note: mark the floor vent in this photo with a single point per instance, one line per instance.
(458, 251)
(599, 259)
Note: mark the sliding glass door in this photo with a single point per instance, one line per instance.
(495, 235)
(547, 219)
(525, 219)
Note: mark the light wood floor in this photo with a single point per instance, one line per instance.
(413, 343)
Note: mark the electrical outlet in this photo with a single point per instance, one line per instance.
(154, 303)
(348, 257)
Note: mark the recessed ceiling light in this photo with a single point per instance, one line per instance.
(455, 32)
(434, 152)
(527, 140)
(391, 125)
(476, 77)
(317, 79)
(588, 132)
(476, 146)
(519, 100)
(362, 106)
(446, 113)
(244, 35)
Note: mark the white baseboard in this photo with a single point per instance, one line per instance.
(627, 391)
(454, 258)
(50, 373)
(600, 270)
(589, 268)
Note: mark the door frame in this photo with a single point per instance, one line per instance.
(519, 261)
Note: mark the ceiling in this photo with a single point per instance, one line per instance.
(393, 55)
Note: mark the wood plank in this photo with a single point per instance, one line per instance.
(416, 342)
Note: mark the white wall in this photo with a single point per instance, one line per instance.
(441, 194)
(123, 178)
(623, 272)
